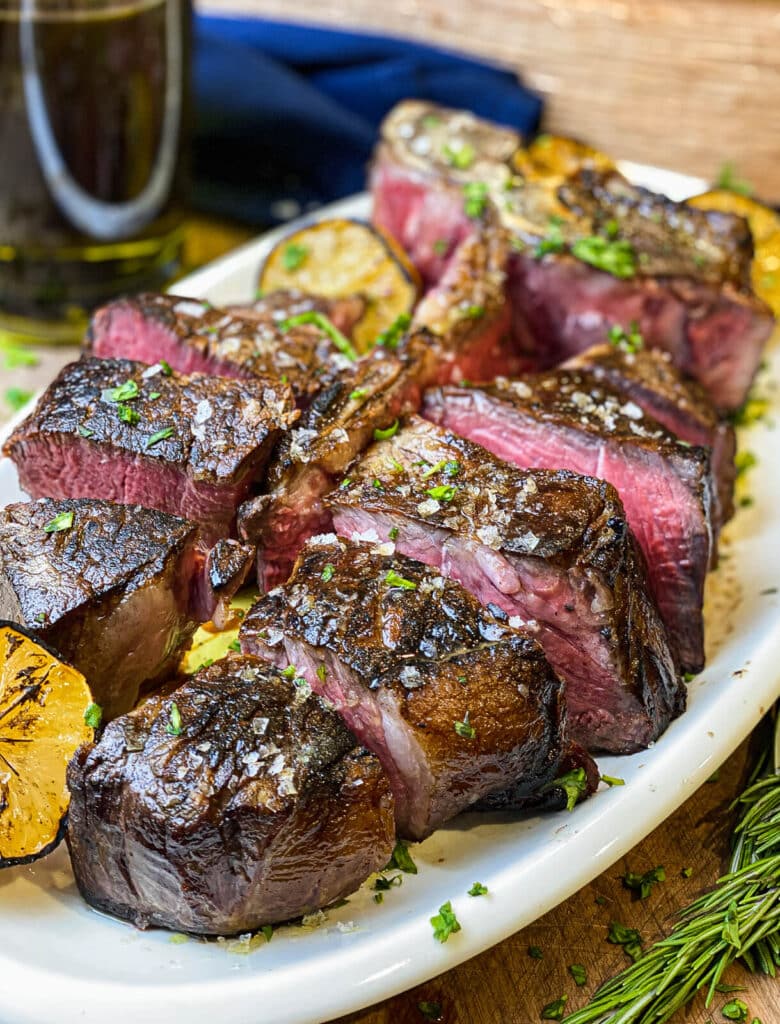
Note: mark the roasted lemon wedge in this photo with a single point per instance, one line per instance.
(337, 258)
(45, 711)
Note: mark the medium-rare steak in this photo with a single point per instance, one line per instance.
(649, 378)
(454, 702)
(567, 419)
(195, 337)
(339, 424)
(118, 590)
(274, 307)
(591, 250)
(116, 429)
(236, 801)
(551, 549)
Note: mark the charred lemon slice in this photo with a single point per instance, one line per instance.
(210, 644)
(340, 257)
(765, 227)
(557, 155)
(44, 707)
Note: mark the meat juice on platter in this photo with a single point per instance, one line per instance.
(103, 75)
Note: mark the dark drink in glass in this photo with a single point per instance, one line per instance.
(93, 125)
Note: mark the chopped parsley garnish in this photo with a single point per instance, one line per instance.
(440, 246)
(161, 435)
(552, 241)
(387, 433)
(727, 179)
(62, 521)
(430, 1010)
(555, 1010)
(357, 394)
(390, 337)
(393, 534)
(394, 579)
(744, 461)
(615, 256)
(327, 573)
(643, 884)
(475, 195)
(173, 728)
(268, 931)
(290, 672)
(322, 672)
(294, 256)
(15, 356)
(345, 483)
(686, 872)
(444, 492)
(165, 368)
(123, 393)
(378, 484)
(475, 312)
(17, 397)
(574, 784)
(630, 340)
(478, 889)
(128, 415)
(433, 469)
(153, 395)
(577, 971)
(535, 952)
(401, 859)
(613, 780)
(600, 901)
(85, 431)
(93, 715)
(628, 938)
(735, 1010)
(383, 884)
(234, 645)
(445, 923)
(312, 316)
(461, 158)
(465, 728)
(40, 617)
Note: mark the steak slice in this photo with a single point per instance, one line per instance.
(234, 802)
(567, 419)
(455, 704)
(338, 425)
(273, 307)
(591, 250)
(649, 378)
(551, 549)
(195, 337)
(118, 590)
(187, 445)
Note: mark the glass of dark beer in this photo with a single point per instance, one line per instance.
(93, 126)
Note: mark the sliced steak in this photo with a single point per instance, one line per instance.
(118, 590)
(455, 703)
(568, 420)
(551, 549)
(273, 307)
(649, 378)
(195, 337)
(234, 802)
(592, 251)
(115, 429)
(338, 425)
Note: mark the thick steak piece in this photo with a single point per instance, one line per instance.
(119, 430)
(455, 703)
(236, 801)
(193, 336)
(118, 590)
(338, 425)
(591, 250)
(567, 419)
(273, 307)
(650, 378)
(551, 549)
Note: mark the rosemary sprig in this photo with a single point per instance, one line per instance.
(738, 919)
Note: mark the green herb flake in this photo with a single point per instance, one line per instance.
(93, 715)
(616, 257)
(390, 337)
(555, 1010)
(577, 971)
(600, 901)
(267, 932)
(15, 357)
(345, 483)
(643, 884)
(535, 952)
(322, 672)
(235, 645)
(743, 461)
(735, 1010)
(430, 1010)
(327, 573)
(161, 435)
(379, 897)
(628, 938)
(153, 395)
(465, 729)
(445, 923)
(383, 884)
(444, 492)
(85, 431)
(552, 241)
(358, 394)
(294, 256)
(312, 316)
(630, 340)
(452, 467)
(393, 533)
(401, 859)
(461, 157)
(387, 433)
(126, 392)
(128, 415)
(729, 180)
(289, 672)
(165, 368)
(178, 938)
(574, 784)
(394, 579)
(686, 872)
(16, 398)
(612, 780)
(475, 195)
(173, 728)
(430, 121)
(431, 470)
(440, 246)
(62, 521)
(478, 889)
(475, 311)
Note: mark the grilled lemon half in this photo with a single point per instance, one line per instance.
(43, 704)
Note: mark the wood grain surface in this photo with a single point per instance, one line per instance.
(688, 84)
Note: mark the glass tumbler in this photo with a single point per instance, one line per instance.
(93, 132)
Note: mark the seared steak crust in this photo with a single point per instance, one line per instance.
(118, 593)
(273, 307)
(256, 808)
(454, 702)
(548, 547)
(188, 445)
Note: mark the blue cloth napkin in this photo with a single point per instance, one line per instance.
(287, 115)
